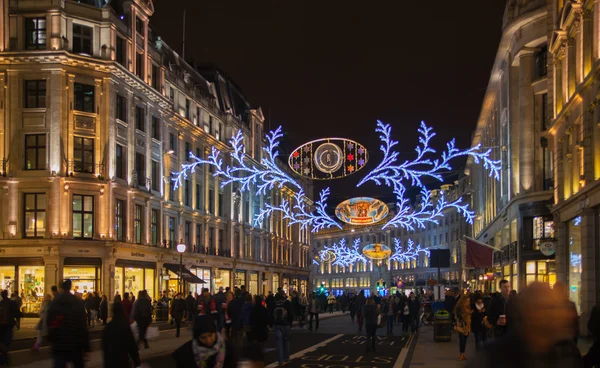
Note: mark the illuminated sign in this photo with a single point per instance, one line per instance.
(361, 211)
(377, 251)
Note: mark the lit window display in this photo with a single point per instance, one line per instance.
(134, 279)
(204, 275)
(83, 279)
(7, 278)
(149, 284)
(31, 287)
(275, 282)
(240, 278)
(575, 266)
(223, 280)
(253, 284)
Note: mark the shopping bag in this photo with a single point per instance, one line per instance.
(152, 333)
(134, 330)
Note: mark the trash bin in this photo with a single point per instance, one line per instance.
(442, 326)
(161, 313)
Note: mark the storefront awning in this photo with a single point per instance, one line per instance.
(187, 276)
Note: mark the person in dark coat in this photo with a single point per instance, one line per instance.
(370, 313)
(259, 321)
(360, 303)
(414, 307)
(540, 334)
(67, 328)
(500, 313)
(592, 358)
(270, 300)
(177, 311)
(143, 316)
(297, 306)
(478, 322)
(190, 306)
(220, 302)
(9, 311)
(127, 305)
(104, 310)
(118, 342)
(234, 310)
(207, 349)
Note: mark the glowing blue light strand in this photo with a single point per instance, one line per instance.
(410, 253)
(344, 255)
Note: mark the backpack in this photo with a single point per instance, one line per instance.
(280, 313)
(5, 312)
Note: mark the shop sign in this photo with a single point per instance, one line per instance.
(83, 250)
(548, 248)
(138, 255)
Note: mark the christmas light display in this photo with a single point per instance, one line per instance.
(398, 175)
(410, 253)
(344, 255)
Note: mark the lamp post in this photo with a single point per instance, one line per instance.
(181, 249)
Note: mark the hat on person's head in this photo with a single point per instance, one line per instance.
(204, 324)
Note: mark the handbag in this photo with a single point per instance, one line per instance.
(486, 323)
(460, 326)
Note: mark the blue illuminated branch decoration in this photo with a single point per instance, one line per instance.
(344, 255)
(300, 214)
(315, 262)
(399, 175)
(265, 177)
(408, 254)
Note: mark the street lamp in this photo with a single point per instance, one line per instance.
(181, 250)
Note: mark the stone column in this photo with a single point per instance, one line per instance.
(526, 123)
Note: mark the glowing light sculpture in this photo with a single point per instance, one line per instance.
(398, 175)
(344, 255)
(410, 253)
(265, 177)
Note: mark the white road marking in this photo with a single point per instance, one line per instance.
(307, 350)
(403, 353)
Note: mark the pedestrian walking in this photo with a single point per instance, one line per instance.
(42, 326)
(297, 306)
(103, 311)
(313, 310)
(234, 310)
(177, 311)
(370, 314)
(220, 302)
(389, 311)
(541, 338)
(190, 309)
(246, 315)
(259, 322)
(406, 321)
(270, 300)
(352, 307)
(118, 342)
(67, 329)
(143, 316)
(207, 349)
(226, 318)
(479, 322)
(462, 317)
(414, 308)
(360, 303)
(331, 302)
(127, 306)
(19, 303)
(283, 316)
(8, 316)
(500, 314)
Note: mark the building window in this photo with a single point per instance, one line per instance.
(155, 176)
(121, 54)
(82, 39)
(84, 154)
(173, 193)
(83, 216)
(120, 219)
(84, 97)
(35, 215)
(35, 33)
(155, 77)
(220, 205)
(139, 65)
(188, 110)
(222, 251)
(541, 62)
(171, 231)
(198, 237)
(121, 162)
(139, 26)
(188, 233)
(548, 168)
(35, 152)
(154, 227)
(172, 143)
(140, 121)
(211, 237)
(188, 150)
(138, 223)
(155, 128)
(211, 202)
(544, 112)
(187, 193)
(140, 169)
(197, 121)
(121, 108)
(35, 94)
(198, 196)
(172, 94)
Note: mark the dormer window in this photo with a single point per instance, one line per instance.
(35, 33)
(82, 39)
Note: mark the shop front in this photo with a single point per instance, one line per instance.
(134, 276)
(275, 282)
(25, 276)
(286, 284)
(253, 284)
(190, 282)
(203, 274)
(84, 273)
(240, 278)
(223, 279)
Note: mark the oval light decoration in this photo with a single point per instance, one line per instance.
(377, 251)
(361, 211)
(328, 158)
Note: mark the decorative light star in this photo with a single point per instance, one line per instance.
(410, 253)
(399, 175)
(361, 151)
(344, 255)
(350, 157)
(350, 146)
(307, 149)
(296, 154)
(361, 162)
(351, 168)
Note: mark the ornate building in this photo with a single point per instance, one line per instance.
(514, 213)
(575, 131)
(408, 275)
(96, 113)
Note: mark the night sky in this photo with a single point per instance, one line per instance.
(332, 68)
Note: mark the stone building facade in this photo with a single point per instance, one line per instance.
(96, 113)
